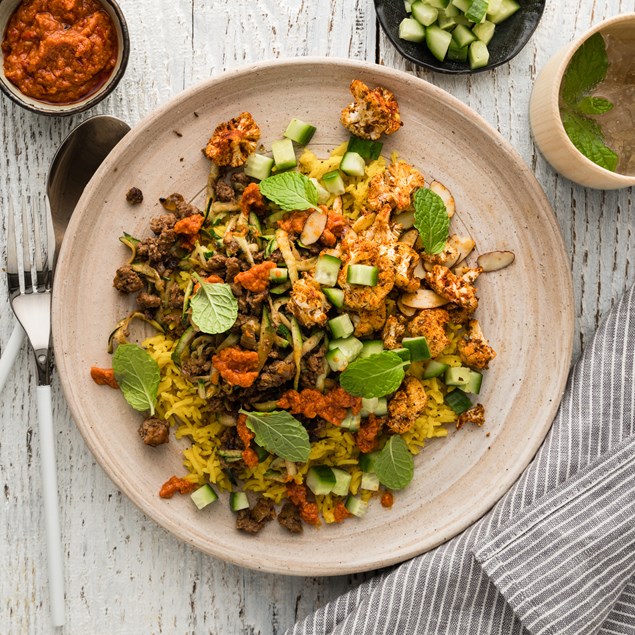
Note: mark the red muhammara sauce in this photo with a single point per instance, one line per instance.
(59, 51)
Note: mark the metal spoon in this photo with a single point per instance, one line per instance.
(73, 165)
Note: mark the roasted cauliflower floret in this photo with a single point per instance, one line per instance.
(406, 260)
(457, 289)
(474, 350)
(394, 330)
(406, 405)
(233, 141)
(367, 322)
(373, 113)
(476, 415)
(394, 186)
(308, 303)
(431, 323)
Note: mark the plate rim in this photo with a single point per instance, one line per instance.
(170, 522)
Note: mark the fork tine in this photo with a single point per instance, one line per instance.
(41, 254)
(12, 251)
(27, 265)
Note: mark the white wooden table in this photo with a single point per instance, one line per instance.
(124, 574)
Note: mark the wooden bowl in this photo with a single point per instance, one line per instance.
(546, 122)
(526, 309)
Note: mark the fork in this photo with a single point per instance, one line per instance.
(30, 281)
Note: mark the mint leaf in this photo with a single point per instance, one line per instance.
(214, 307)
(290, 190)
(281, 434)
(431, 220)
(594, 105)
(374, 376)
(586, 135)
(138, 376)
(395, 466)
(586, 69)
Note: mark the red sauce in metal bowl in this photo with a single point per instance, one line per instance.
(59, 51)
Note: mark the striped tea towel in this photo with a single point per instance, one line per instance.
(556, 555)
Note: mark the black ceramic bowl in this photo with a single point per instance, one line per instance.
(7, 7)
(509, 39)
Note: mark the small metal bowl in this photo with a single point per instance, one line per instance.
(7, 8)
(510, 37)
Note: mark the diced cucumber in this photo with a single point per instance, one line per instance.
(434, 369)
(463, 36)
(484, 31)
(327, 269)
(258, 166)
(477, 10)
(418, 347)
(367, 461)
(283, 154)
(337, 361)
(404, 353)
(362, 274)
(323, 193)
(447, 24)
(506, 10)
(335, 296)
(456, 53)
(457, 376)
(374, 406)
(372, 347)
(351, 422)
(424, 13)
(356, 506)
(461, 19)
(230, 456)
(462, 5)
(183, 345)
(334, 183)
(458, 401)
(474, 382)
(438, 4)
(407, 5)
(203, 496)
(369, 150)
(478, 55)
(350, 347)
(494, 6)
(320, 480)
(238, 501)
(411, 30)
(299, 131)
(342, 482)
(370, 481)
(278, 274)
(438, 41)
(353, 164)
(341, 326)
(450, 11)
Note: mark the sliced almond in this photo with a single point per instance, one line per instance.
(420, 270)
(406, 310)
(313, 227)
(423, 299)
(410, 237)
(405, 219)
(495, 260)
(446, 197)
(464, 246)
(364, 222)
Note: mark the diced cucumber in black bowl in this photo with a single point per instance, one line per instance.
(459, 36)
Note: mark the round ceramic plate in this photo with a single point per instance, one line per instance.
(525, 310)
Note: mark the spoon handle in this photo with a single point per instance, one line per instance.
(51, 507)
(9, 353)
